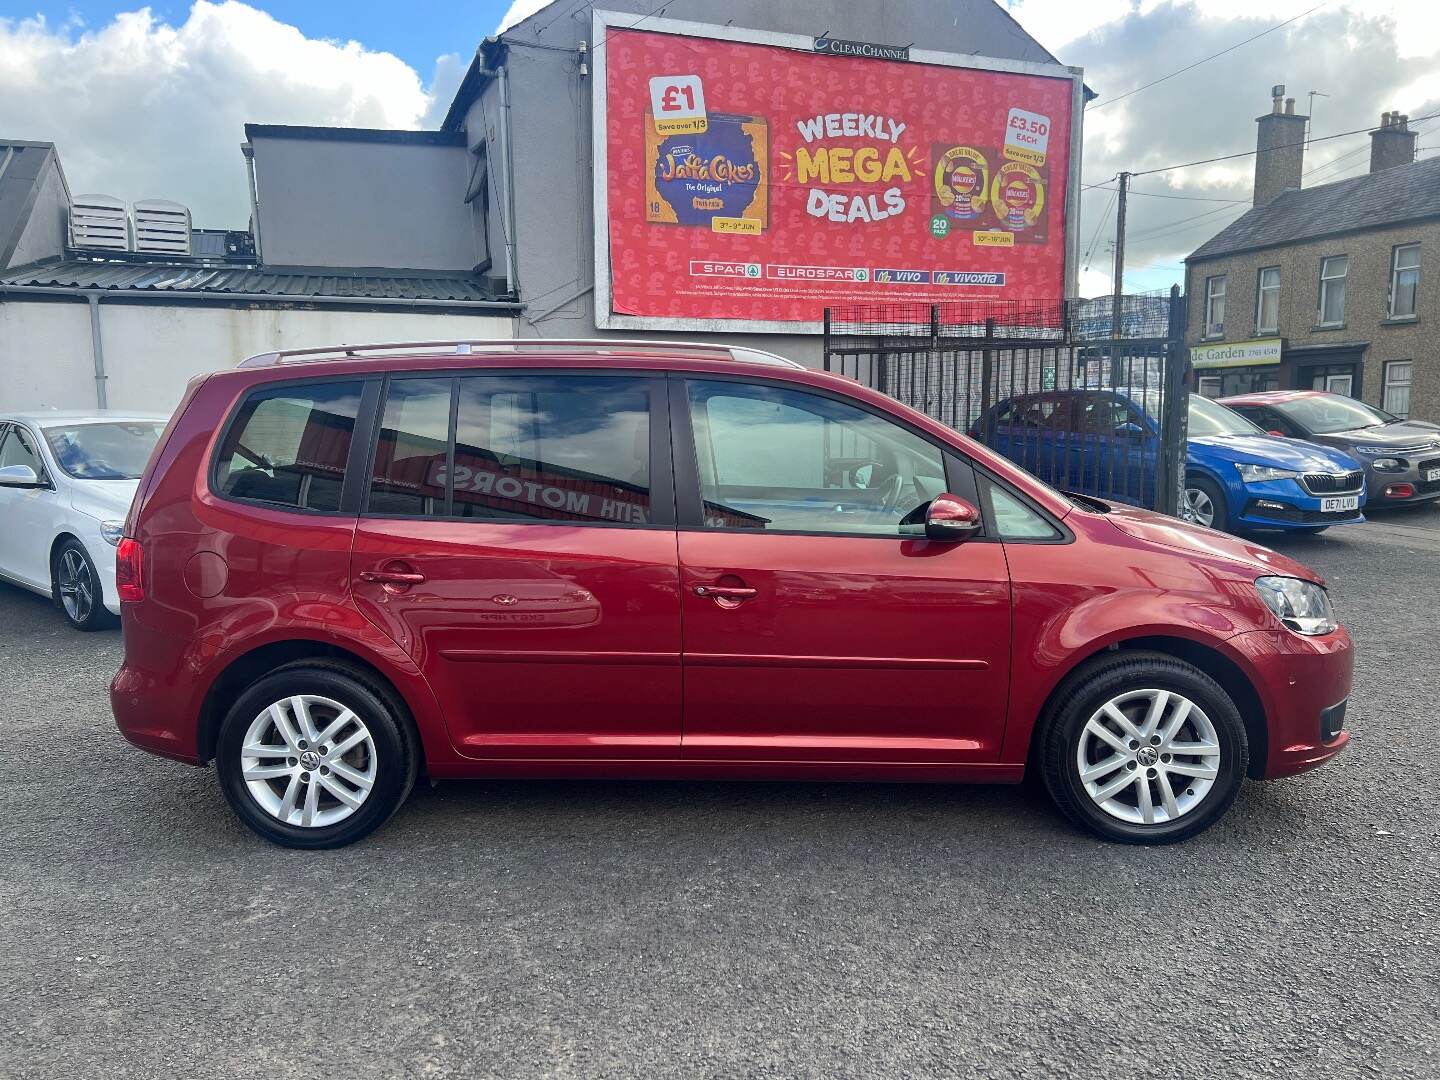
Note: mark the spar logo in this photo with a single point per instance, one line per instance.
(723, 268)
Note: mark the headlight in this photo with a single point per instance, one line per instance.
(1303, 606)
(1254, 474)
(112, 531)
(1388, 464)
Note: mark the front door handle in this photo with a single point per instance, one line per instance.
(728, 597)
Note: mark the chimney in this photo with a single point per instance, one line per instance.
(1392, 143)
(1280, 143)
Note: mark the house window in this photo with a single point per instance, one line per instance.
(1397, 388)
(1332, 289)
(1404, 281)
(1215, 306)
(477, 197)
(1210, 386)
(1267, 301)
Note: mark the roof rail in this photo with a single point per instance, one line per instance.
(592, 346)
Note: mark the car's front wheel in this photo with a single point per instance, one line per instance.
(1143, 748)
(76, 587)
(314, 755)
(1205, 503)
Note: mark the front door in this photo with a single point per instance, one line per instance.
(813, 629)
(28, 514)
(518, 542)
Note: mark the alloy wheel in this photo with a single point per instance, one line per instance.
(1199, 507)
(1148, 757)
(76, 584)
(308, 760)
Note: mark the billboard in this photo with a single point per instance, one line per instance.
(748, 181)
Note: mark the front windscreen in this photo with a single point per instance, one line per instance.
(108, 451)
(1324, 414)
(1208, 418)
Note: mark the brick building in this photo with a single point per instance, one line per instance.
(1323, 287)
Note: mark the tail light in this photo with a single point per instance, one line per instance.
(129, 579)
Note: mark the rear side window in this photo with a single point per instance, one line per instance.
(288, 446)
(553, 447)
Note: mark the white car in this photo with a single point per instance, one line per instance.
(66, 481)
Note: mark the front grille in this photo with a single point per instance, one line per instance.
(1332, 483)
(1298, 516)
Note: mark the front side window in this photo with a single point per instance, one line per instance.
(1267, 301)
(289, 445)
(1332, 289)
(1215, 306)
(553, 448)
(1404, 280)
(787, 460)
(17, 449)
(1397, 388)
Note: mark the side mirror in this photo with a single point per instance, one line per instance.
(947, 518)
(19, 476)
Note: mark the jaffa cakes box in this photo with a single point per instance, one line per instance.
(716, 179)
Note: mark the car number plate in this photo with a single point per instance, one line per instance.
(1340, 502)
(1431, 474)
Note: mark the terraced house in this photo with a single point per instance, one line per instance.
(1324, 287)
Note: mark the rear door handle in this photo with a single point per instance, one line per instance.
(392, 577)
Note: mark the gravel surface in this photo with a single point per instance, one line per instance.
(667, 929)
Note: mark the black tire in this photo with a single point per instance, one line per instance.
(1100, 681)
(1221, 520)
(396, 751)
(75, 588)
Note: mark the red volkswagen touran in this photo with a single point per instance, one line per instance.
(347, 567)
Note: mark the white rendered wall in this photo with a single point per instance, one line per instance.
(152, 350)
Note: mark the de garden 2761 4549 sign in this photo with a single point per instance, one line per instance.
(751, 182)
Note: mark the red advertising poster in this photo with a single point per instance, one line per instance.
(760, 183)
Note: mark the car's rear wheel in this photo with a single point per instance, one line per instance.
(1205, 503)
(1143, 748)
(76, 587)
(315, 756)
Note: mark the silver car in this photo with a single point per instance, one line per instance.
(66, 481)
(1401, 457)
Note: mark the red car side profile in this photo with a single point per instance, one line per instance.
(346, 568)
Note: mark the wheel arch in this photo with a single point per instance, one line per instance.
(249, 666)
(1210, 660)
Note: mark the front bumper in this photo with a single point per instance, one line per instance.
(1284, 504)
(1385, 487)
(1304, 685)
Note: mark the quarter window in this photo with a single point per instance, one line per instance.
(1016, 521)
(1215, 306)
(1332, 289)
(1267, 301)
(788, 460)
(553, 448)
(289, 445)
(1404, 281)
(1397, 388)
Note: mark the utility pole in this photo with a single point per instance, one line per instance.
(1119, 286)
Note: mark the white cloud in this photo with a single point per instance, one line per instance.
(142, 109)
(519, 11)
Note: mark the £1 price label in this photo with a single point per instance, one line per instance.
(1027, 137)
(677, 103)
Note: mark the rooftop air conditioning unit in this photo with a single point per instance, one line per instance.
(99, 223)
(162, 228)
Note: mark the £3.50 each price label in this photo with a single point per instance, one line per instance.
(1027, 137)
(677, 102)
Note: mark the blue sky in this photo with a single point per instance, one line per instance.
(417, 32)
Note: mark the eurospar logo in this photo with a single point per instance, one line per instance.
(787, 272)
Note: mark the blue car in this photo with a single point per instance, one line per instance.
(1106, 443)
